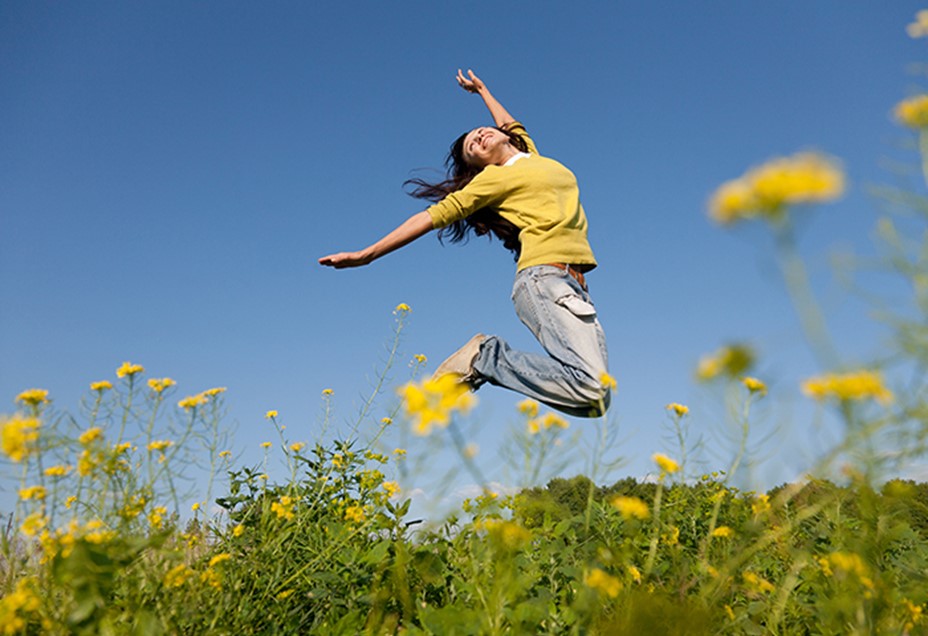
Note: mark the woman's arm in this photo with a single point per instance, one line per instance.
(411, 229)
(473, 85)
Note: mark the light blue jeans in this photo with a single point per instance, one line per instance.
(560, 314)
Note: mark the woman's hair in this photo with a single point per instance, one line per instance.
(481, 222)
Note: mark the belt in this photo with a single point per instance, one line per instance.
(573, 271)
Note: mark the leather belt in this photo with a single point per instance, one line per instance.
(573, 271)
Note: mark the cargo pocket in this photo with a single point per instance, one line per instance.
(577, 306)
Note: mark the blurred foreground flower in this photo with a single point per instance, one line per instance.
(764, 191)
(18, 435)
(602, 582)
(913, 112)
(667, 465)
(919, 28)
(730, 360)
(432, 402)
(856, 385)
(631, 507)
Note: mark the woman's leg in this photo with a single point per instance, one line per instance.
(561, 316)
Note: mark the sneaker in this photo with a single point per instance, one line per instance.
(461, 362)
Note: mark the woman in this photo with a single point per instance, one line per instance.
(497, 182)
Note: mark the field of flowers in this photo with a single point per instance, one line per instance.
(103, 538)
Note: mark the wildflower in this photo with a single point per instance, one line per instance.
(283, 595)
(391, 487)
(856, 385)
(70, 501)
(219, 558)
(678, 409)
(421, 359)
(667, 465)
(270, 415)
(32, 492)
(528, 408)
(87, 462)
(101, 386)
(225, 454)
(177, 576)
(355, 514)
(122, 448)
(266, 444)
(432, 402)
(211, 578)
(729, 612)
(386, 421)
(919, 28)
(160, 445)
(129, 370)
(18, 436)
(156, 516)
(33, 397)
(602, 582)
(214, 391)
(672, 536)
(57, 471)
(760, 504)
(533, 426)
(399, 452)
(757, 583)
(507, 533)
(327, 391)
(159, 385)
(723, 532)
(33, 524)
(195, 506)
(730, 360)
(754, 385)
(607, 381)
(635, 573)
(238, 530)
(552, 420)
(283, 508)
(804, 178)
(844, 564)
(16, 607)
(913, 112)
(90, 435)
(192, 401)
(631, 507)
(402, 308)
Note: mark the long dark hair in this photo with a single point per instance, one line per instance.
(481, 222)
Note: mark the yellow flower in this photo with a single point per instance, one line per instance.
(283, 508)
(528, 408)
(507, 533)
(607, 381)
(402, 308)
(90, 435)
(760, 504)
(160, 445)
(672, 536)
(729, 612)
(57, 471)
(913, 112)
(297, 447)
(192, 401)
(631, 507)
(33, 397)
(355, 514)
(238, 530)
(70, 502)
(602, 582)
(635, 573)
(19, 436)
(533, 427)
(803, 178)
(666, 464)
(266, 444)
(919, 28)
(159, 385)
(551, 420)
(17, 607)
(327, 391)
(156, 516)
(391, 487)
(421, 359)
(270, 415)
(856, 385)
(122, 448)
(195, 506)
(723, 532)
(731, 360)
(101, 386)
(754, 385)
(86, 463)
(678, 409)
(129, 369)
(757, 583)
(433, 402)
(219, 558)
(214, 391)
(177, 576)
(386, 421)
(225, 454)
(32, 492)
(33, 524)
(211, 578)
(399, 452)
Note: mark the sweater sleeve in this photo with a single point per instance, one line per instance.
(517, 128)
(487, 188)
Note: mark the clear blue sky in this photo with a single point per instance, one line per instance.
(171, 171)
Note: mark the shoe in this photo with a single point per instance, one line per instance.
(461, 362)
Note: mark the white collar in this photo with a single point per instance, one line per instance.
(515, 158)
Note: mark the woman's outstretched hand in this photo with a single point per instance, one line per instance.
(345, 259)
(471, 85)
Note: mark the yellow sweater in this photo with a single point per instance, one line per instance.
(536, 194)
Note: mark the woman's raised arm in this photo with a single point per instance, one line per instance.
(411, 229)
(472, 84)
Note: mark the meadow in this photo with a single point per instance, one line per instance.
(116, 531)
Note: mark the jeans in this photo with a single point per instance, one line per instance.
(560, 314)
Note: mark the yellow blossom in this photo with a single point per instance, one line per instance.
(729, 612)
(297, 447)
(238, 530)
(760, 504)
(129, 369)
(434, 401)
(33, 524)
(754, 385)
(225, 454)
(102, 385)
(177, 576)
(57, 471)
(391, 487)
(18, 606)
(160, 445)
(159, 385)
(607, 381)
(855, 385)
(32, 492)
(402, 308)
(913, 112)
(386, 421)
(533, 426)
(666, 464)
(19, 436)
(214, 391)
(919, 28)
(327, 391)
(672, 536)
(723, 532)
(283, 508)
(552, 420)
(355, 514)
(678, 409)
(211, 578)
(730, 360)
(122, 448)
(192, 401)
(602, 582)
(266, 444)
(156, 516)
(528, 408)
(635, 573)
(631, 507)
(219, 558)
(87, 462)
(757, 583)
(90, 435)
(507, 533)
(33, 397)
(421, 359)
(70, 501)
(270, 415)
(399, 452)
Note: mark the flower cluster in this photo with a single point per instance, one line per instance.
(434, 401)
(855, 385)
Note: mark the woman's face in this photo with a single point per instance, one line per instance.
(485, 145)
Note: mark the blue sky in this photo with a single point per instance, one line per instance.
(171, 172)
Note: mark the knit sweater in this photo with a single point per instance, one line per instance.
(536, 194)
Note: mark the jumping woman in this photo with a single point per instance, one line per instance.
(498, 183)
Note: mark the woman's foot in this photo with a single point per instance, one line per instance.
(461, 362)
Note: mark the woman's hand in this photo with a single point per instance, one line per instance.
(345, 259)
(472, 85)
